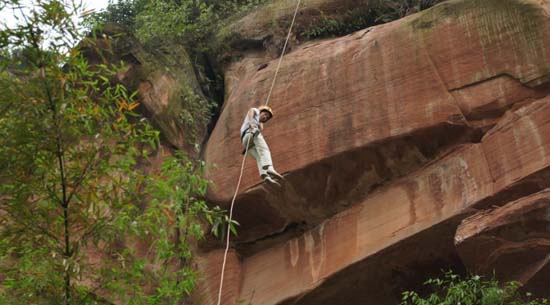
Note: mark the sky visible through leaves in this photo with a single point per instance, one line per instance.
(9, 17)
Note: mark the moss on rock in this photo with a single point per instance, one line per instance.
(268, 24)
(168, 86)
(490, 20)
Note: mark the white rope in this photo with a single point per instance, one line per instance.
(283, 53)
(230, 218)
(246, 152)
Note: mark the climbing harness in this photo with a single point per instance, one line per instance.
(246, 151)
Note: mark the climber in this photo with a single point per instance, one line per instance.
(258, 149)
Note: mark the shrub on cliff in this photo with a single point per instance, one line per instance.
(372, 13)
(121, 12)
(389, 10)
(451, 289)
(75, 198)
(190, 21)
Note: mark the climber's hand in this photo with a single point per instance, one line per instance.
(254, 130)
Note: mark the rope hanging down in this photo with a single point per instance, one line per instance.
(283, 53)
(246, 152)
(230, 218)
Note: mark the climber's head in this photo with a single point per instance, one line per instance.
(266, 113)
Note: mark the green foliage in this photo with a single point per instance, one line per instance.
(121, 12)
(196, 111)
(76, 202)
(351, 21)
(189, 21)
(161, 24)
(389, 10)
(377, 12)
(474, 290)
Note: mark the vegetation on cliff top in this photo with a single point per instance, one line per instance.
(357, 18)
(192, 22)
(84, 216)
(186, 21)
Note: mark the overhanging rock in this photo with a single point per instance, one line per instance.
(512, 242)
(388, 138)
(355, 112)
(426, 203)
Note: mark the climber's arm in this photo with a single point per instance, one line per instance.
(251, 118)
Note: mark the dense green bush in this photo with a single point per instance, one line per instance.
(193, 21)
(451, 289)
(75, 194)
(189, 21)
(377, 12)
(121, 12)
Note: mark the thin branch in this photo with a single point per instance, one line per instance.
(51, 191)
(89, 165)
(21, 220)
(60, 157)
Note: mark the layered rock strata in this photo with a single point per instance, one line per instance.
(388, 138)
(512, 241)
(355, 112)
(426, 203)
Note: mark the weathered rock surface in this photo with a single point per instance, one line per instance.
(266, 26)
(261, 21)
(412, 208)
(357, 111)
(388, 138)
(209, 267)
(166, 83)
(512, 241)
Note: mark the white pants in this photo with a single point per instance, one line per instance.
(259, 150)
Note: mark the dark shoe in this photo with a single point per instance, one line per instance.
(270, 181)
(274, 174)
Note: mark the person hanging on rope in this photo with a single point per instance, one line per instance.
(257, 148)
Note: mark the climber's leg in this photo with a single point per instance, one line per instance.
(263, 153)
(252, 151)
(265, 157)
(260, 158)
(263, 173)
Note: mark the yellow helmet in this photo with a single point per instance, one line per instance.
(266, 108)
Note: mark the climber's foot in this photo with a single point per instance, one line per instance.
(274, 174)
(271, 182)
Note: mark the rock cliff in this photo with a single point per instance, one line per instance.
(409, 147)
(166, 81)
(389, 139)
(514, 240)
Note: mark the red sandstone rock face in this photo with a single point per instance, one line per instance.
(209, 266)
(415, 208)
(388, 138)
(357, 111)
(513, 241)
(384, 83)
